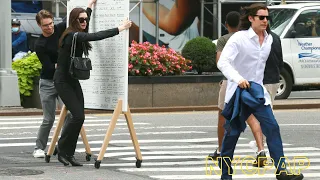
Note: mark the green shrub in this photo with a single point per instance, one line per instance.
(27, 69)
(202, 53)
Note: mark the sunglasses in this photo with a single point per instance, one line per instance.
(81, 20)
(263, 17)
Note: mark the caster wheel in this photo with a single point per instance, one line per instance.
(97, 164)
(88, 157)
(47, 158)
(138, 163)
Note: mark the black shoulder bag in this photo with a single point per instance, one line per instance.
(79, 67)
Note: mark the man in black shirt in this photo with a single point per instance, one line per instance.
(273, 67)
(46, 48)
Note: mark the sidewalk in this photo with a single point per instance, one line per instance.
(279, 104)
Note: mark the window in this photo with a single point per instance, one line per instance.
(280, 18)
(307, 25)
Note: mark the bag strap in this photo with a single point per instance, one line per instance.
(74, 45)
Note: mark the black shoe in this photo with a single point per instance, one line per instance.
(73, 161)
(215, 155)
(287, 176)
(261, 159)
(63, 159)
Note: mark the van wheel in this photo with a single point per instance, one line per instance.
(285, 85)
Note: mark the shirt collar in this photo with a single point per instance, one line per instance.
(253, 34)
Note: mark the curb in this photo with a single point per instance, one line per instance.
(36, 112)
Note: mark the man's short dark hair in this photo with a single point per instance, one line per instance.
(233, 19)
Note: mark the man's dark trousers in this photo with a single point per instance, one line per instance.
(270, 129)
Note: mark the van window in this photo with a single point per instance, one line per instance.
(280, 18)
(307, 25)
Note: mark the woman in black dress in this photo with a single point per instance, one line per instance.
(68, 88)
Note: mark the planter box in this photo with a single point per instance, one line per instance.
(165, 91)
(170, 91)
(33, 101)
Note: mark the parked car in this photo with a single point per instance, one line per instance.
(298, 26)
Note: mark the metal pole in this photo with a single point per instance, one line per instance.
(219, 18)
(57, 8)
(214, 21)
(202, 17)
(157, 21)
(140, 22)
(5, 35)
(9, 90)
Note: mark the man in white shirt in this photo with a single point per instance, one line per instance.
(243, 59)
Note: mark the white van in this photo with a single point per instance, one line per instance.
(298, 26)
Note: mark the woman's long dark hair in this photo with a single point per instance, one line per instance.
(251, 10)
(74, 25)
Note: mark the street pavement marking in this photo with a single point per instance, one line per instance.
(249, 150)
(117, 134)
(202, 157)
(185, 177)
(174, 147)
(55, 122)
(146, 164)
(203, 169)
(33, 118)
(85, 125)
(141, 141)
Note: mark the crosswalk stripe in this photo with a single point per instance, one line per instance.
(177, 147)
(141, 141)
(146, 164)
(203, 168)
(35, 118)
(311, 154)
(185, 177)
(85, 125)
(170, 163)
(113, 154)
(117, 134)
(55, 122)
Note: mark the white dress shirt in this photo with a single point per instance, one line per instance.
(244, 58)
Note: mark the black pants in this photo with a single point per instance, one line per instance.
(72, 96)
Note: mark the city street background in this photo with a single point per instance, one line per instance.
(173, 146)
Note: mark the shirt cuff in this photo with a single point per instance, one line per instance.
(237, 79)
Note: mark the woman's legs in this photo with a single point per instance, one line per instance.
(72, 96)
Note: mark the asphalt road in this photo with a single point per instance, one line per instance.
(173, 146)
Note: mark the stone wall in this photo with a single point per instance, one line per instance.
(173, 91)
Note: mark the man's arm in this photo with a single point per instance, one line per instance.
(21, 39)
(175, 20)
(228, 55)
(220, 45)
(280, 55)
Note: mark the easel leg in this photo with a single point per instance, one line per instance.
(133, 137)
(86, 144)
(56, 133)
(109, 132)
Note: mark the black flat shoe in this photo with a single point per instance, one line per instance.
(63, 159)
(73, 161)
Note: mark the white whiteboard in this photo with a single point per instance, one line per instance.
(109, 75)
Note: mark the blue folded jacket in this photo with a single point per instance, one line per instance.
(242, 104)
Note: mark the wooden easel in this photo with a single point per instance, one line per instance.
(116, 113)
(63, 114)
